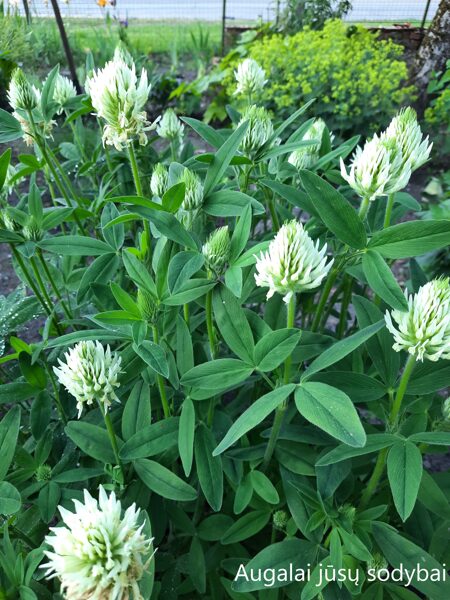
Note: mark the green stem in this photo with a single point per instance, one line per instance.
(363, 209)
(186, 313)
(346, 298)
(210, 326)
(395, 410)
(30, 281)
(388, 213)
(323, 299)
(290, 324)
(113, 440)
(273, 213)
(59, 406)
(38, 277)
(139, 192)
(54, 286)
(160, 380)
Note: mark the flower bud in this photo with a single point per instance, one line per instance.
(148, 305)
(280, 519)
(32, 231)
(98, 552)
(170, 127)
(159, 181)
(424, 329)
(306, 157)
(43, 473)
(259, 131)
(405, 131)
(193, 196)
(216, 250)
(90, 374)
(21, 94)
(250, 77)
(63, 91)
(293, 263)
(446, 409)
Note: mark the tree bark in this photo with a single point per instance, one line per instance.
(434, 50)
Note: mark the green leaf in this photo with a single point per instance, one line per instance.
(429, 377)
(354, 545)
(189, 291)
(9, 431)
(433, 438)
(432, 497)
(233, 324)
(290, 553)
(197, 569)
(48, 499)
(16, 392)
(331, 410)
(137, 411)
(182, 267)
(264, 487)
(10, 128)
(246, 527)
(77, 336)
(341, 349)
(33, 373)
(206, 132)
(241, 234)
(220, 374)
(154, 356)
(115, 235)
(5, 159)
(184, 348)
(412, 238)
(186, 433)
(173, 197)
(223, 157)
(78, 474)
(125, 301)
(138, 273)
(359, 387)
(91, 439)
(40, 414)
(75, 245)
(48, 105)
(209, 467)
(10, 500)
(275, 347)
(334, 210)
(293, 195)
(382, 281)
(256, 413)
(402, 553)
(404, 467)
(151, 440)
(229, 203)
(168, 225)
(101, 270)
(160, 480)
(374, 443)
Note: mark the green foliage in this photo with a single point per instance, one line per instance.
(312, 13)
(253, 431)
(356, 79)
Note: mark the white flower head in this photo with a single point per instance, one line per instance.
(90, 374)
(21, 94)
(159, 181)
(98, 554)
(119, 97)
(377, 169)
(293, 263)
(216, 250)
(170, 127)
(424, 330)
(250, 77)
(259, 131)
(306, 157)
(63, 91)
(405, 131)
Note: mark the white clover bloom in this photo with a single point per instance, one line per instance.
(159, 181)
(259, 131)
(306, 157)
(170, 127)
(424, 330)
(122, 53)
(119, 98)
(90, 373)
(98, 554)
(405, 131)
(293, 263)
(21, 94)
(377, 169)
(216, 250)
(63, 91)
(250, 77)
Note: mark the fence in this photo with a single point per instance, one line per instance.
(238, 11)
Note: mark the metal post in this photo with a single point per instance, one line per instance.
(224, 22)
(425, 14)
(65, 43)
(27, 11)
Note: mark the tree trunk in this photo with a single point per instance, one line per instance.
(434, 50)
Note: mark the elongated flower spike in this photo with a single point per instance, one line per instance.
(21, 94)
(216, 250)
(98, 554)
(250, 77)
(90, 374)
(424, 330)
(119, 98)
(293, 263)
(259, 131)
(377, 169)
(407, 134)
(170, 127)
(159, 181)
